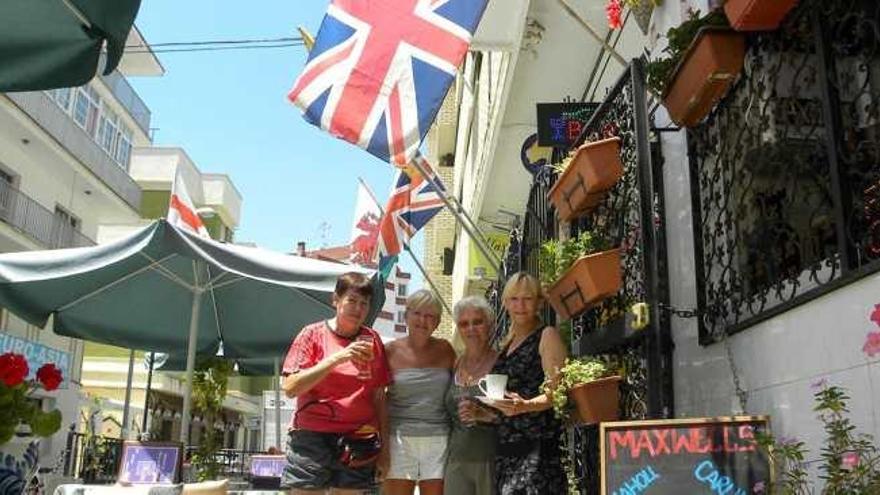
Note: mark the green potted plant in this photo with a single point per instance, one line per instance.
(579, 272)
(586, 391)
(22, 419)
(757, 15)
(585, 177)
(210, 382)
(694, 71)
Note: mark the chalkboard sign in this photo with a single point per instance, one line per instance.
(693, 456)
(560, 124)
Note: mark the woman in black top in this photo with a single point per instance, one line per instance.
(528, 460)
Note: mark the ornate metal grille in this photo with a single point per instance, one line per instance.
(784, 172)
(629, 218)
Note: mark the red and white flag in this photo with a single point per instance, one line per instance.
(181, 211)
(365, 227)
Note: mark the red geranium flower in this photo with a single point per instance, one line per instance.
(50, 376)
(13, 369)
(875, 315)
(614, 10)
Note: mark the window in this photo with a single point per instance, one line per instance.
(401, 316)
(86, 109)
(401, 290)
(64, 229)
(107, 130)
(7, 192)
(62, 97)
(123, 147)
(786, 196)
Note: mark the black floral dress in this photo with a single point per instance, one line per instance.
(528, 459)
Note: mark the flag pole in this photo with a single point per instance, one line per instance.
(463, 218)
(411, 254)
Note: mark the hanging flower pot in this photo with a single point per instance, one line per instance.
(704, 74)
(596, 401)
(18, 463)
(590, 279)
(592, 171)
(757, 15)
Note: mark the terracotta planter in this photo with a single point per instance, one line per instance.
(757, 15)
(591, 279)
(593, 170)
(705, 72)
(596, 401)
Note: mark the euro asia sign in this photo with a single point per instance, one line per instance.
(560, 124)
(713, 456)
(37, 355)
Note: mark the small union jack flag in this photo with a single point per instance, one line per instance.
(413, 202)
(379, 70)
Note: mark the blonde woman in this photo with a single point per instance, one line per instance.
(421, 367)
(528, 459)
(470, 469)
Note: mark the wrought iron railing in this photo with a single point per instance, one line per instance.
(785, 172)
(36, 221)
(630, 218)
(92, 458)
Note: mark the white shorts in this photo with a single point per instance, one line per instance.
(417, 458)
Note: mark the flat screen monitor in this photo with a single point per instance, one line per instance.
(150, 462)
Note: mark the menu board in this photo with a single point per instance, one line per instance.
(693, 456)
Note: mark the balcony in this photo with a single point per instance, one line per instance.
(72, 138)
(37, 222)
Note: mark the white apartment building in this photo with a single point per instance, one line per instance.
(64, 171)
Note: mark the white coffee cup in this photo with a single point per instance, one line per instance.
(493, 386)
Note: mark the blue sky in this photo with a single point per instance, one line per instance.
(228, 110)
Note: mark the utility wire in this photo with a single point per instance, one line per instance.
(216, 48)
(218, 42)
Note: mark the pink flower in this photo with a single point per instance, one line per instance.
(872, 344)
(875, 315)
(849, 460)
(613, 10)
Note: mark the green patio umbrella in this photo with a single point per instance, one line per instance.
(165, 290)
(47, 44)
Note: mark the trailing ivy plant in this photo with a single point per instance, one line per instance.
(850, 462)
(659, 71)
(210, 381)
(574, 372)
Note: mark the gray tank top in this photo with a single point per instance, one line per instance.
(415, 401)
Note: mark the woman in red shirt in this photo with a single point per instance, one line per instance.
(337, 371)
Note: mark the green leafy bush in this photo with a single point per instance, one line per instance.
(850, 462)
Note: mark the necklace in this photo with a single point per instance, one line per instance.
(468, 373)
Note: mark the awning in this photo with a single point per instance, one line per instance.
(47, 44)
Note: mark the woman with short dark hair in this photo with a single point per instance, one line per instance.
(337, 371)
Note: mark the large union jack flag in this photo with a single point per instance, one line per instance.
(413, 202)
(379, 70)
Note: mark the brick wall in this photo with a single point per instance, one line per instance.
(439, 234)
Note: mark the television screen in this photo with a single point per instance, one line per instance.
(268, 466)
